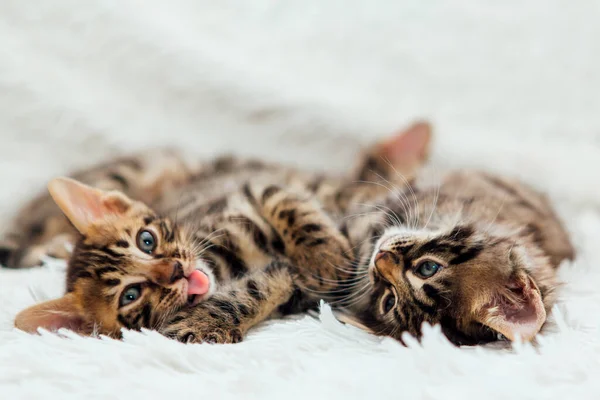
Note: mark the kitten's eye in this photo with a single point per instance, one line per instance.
(146, 241)
(427, 268)
(130, 294)
(389, 302)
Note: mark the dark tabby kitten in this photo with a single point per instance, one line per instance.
(477, 254)
(237, 240)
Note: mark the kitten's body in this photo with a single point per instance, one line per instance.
(494, 239)
(272, 238)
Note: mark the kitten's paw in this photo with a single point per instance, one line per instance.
(209, 330)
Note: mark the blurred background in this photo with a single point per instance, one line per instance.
(511, 85)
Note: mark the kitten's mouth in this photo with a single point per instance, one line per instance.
(198, 284)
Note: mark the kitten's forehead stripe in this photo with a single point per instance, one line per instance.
(104, 270)
(467, 255)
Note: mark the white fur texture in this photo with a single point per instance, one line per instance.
(512, 87)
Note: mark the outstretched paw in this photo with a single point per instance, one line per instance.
(192, 329)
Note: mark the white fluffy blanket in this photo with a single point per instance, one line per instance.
(512, 87)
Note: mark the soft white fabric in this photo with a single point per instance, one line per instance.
(512, 87)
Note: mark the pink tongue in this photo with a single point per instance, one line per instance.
(198, 283)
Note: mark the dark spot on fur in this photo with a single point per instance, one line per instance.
(290, 215)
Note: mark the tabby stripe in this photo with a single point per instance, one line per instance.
(427, 309)
(227, 308)
(505, 187)
(259, 237)
(146, 313)
(217, 206)
(236, 264)
(123, 321)
(290, 215)
(136, 320)
(459, 234)
(120, 179)
(316, 242)
(112, 282)
(82, 273)
(431, 292)
(309, 228)
(111, 253)
(467, 255)
(254, 291)
(104, 270)
(269, 192)
(167, 233)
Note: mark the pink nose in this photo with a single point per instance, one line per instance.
(198, 283)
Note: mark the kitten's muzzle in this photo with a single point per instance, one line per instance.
(177, 273)
(385, 264)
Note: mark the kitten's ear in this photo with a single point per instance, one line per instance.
(409, 147)
(517, 312)
(84, 205)
(348, 319)
(51, 315)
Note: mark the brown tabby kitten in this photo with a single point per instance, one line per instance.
(476, 254)
(256, 238)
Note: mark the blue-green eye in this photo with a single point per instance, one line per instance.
(146, 241)
(427, 268)
(130, 294)
(388, 303)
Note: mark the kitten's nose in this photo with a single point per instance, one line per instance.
(386, 263)
(386, 256)
(177, 273)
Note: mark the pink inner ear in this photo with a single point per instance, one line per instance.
(50, 315)
(518, 313)
(409, 146)
(57, 320)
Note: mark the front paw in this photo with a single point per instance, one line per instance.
(190, 329)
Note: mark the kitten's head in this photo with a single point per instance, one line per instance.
(473, 283)
(130, 269)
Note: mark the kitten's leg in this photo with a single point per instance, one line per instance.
(228, 314)
(319, 259)
(40, 228)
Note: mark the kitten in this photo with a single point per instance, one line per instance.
(476, 254)
(231, 242)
